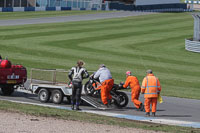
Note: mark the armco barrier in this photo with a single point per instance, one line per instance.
(191, 45)
(7, 9)
(180, 7)
(10, 9)
(58, 8)
(50, 8)
(40, 8)
(29, 8)
(82, 8)
(153, 8)
(18, 9)
(94, 9)
(65, 8)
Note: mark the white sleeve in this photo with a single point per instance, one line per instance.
(97, 74)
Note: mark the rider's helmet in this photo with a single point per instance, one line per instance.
(128, 73)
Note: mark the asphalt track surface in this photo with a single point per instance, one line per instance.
(173, 109)
(70, 18)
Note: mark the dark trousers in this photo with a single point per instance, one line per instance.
(76, 92)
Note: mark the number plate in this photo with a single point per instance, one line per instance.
(11, 81)
(13, 76)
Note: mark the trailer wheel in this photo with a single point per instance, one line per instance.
(44, 95)
(7, 90)
(57, 96)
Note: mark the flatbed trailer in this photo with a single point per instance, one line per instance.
(50, 85)
(55, 90)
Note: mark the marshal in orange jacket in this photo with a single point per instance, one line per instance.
(134, 84)
(150, 86)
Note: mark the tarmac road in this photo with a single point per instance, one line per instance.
(172, 108)
(71, 18)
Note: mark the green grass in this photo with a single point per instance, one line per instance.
(182, 1)
(90, 118)
(38, 14)
(133, 43)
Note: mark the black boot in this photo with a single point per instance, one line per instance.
(72, 107)
(141, 107)
(147, 114)
(153, 114)
(106, 105)
(77, 108)
(109, 102)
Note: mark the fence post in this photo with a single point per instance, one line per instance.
(31, 75)
(54, 77)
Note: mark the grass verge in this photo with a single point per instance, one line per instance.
(133, 43)
(90, 118)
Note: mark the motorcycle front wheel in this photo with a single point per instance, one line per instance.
(88, 88)
(122, 99)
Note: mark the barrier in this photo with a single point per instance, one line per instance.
(82, 8)
(40, 8)
(18, 9)
(58, 8)
(7, 9)
(193, 46)
(50, 8)
(65, 8)
(29, 9)
(179, 7)
(94, 9)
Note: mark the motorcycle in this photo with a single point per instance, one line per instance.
(92, 88)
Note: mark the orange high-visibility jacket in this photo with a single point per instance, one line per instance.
(132, 81)
(150, 86)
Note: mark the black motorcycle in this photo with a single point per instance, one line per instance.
(120, 99)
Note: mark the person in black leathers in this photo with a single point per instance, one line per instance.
(76, 75)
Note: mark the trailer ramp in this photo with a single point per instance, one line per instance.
(93, 102)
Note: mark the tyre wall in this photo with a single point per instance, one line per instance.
(191, 45)
(22, 9)
(179, 7)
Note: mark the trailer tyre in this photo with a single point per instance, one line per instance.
(44, 95)
(57, 96)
